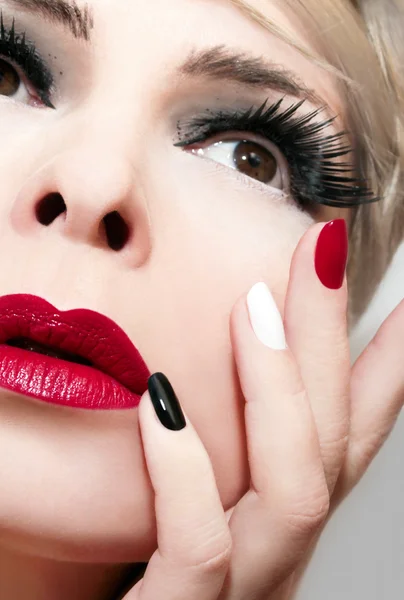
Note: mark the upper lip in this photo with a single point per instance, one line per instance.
(81, 332)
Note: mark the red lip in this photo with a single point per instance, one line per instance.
(116, 378)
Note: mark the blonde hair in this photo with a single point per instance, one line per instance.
(359, 41)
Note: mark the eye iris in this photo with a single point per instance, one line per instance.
(9, 80)
(255, 161)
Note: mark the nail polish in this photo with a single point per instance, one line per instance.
(332, 253)
(165, 402)
(265, 318)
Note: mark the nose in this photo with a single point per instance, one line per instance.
(87, 193)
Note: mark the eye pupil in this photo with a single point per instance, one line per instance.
(255, 161)
(9, 80)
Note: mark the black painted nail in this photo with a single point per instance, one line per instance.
(165, 402)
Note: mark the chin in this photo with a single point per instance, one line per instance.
(74, 483)
(82, 546)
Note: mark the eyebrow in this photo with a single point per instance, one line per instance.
(222, 63)
(78, 20)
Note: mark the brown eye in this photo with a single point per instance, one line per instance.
(9, 79)
(255, 161)
(248, 157)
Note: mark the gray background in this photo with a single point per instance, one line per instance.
(361, 553)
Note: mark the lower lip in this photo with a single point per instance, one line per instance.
(61, 382)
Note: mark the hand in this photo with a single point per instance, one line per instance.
(313, 425)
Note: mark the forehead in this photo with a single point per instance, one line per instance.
(175, 27)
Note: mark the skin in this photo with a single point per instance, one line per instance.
(203, 234)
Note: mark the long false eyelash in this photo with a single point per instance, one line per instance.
(15, 47)
(317, 174)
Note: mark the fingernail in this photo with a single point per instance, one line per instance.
(165, 402)
(332, 253)
(265, 317)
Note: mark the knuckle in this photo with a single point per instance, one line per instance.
(333, 452)
(213, 557)
(338, 444)
(219, 562)
(305, 508)
(307, 515)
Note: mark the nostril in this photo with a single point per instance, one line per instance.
(49, 208)
(116, 230)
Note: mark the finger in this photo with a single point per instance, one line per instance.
(316, 329)
(377, 392)
(229, 513)
(272, 525)
(194, 541)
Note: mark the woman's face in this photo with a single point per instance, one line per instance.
(206, 222)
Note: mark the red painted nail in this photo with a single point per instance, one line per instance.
(332, 254)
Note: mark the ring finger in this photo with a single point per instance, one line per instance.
(316, 330)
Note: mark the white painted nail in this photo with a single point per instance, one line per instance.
(265, 317)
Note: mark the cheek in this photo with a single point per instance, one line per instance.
(226, 237)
